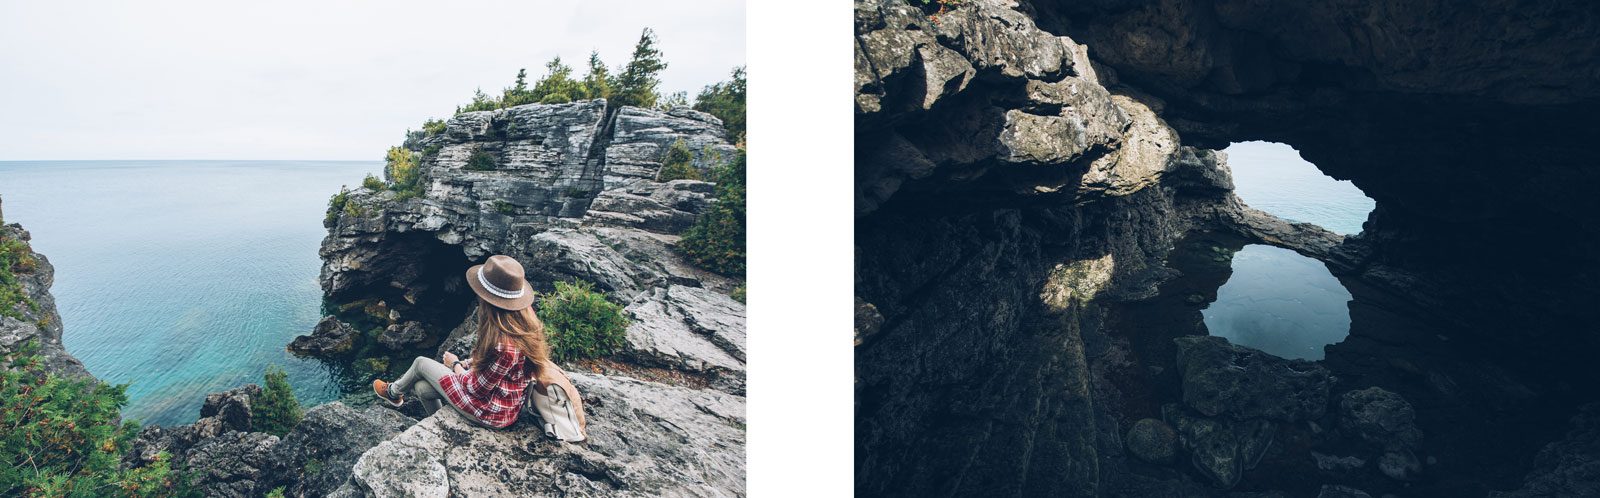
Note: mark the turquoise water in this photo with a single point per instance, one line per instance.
(183, 277)
(1273, 178)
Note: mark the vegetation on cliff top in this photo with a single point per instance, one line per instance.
(725, 100)
(581, 323)
(633, 84)
(60, 437)
(716, 241)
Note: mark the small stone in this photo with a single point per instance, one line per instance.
(1152, 441)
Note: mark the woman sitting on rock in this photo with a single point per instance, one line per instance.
(487, 388)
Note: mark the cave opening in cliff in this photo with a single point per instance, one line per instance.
(1274, 178)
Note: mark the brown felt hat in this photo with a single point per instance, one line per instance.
(500, 282)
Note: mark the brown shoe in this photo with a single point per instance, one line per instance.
(382, 388)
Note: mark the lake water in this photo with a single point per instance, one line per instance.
(1273, 178)
(1280, 302)
(1276, 300)
(183, 277)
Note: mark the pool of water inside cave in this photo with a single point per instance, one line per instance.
(1280, 302)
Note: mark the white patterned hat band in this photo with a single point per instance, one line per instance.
(496, 290)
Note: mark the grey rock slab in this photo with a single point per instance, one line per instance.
(660, 335)
(316, 457)
(645, 439)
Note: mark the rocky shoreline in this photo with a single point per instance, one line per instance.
(574, 196)
(1025, 170)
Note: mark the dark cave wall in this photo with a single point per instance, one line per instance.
(1468, 122)
(998, 164)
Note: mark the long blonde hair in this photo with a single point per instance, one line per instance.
(521, 328)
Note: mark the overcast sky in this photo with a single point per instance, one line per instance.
(306, 80)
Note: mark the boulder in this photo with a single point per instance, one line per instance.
(330, 337)
(315, 458)
(645, 439)
(1227, 379)
(1220, 448)
(1380, 417)
(231, 408)
(402, 335)
(232, 465)
(1152, 441)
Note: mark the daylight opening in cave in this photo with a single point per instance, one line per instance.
(1273, 178)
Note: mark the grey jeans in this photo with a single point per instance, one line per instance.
(423, 380)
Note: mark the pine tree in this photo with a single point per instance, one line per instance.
(277, 411)
(636, 86)
(597, 84)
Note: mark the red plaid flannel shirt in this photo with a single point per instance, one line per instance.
(495, 397)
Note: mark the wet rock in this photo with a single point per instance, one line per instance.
(1152, 441)
(402, 335)
(645, 439)
(330, 337)
(1337, 491)
(232, 464)
(316, 457)
(1221, 378)
(1380, 417)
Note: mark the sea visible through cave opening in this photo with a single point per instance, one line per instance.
(1273, 178)
(1274, 299)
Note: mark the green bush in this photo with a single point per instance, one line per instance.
(60, 437)
(677, 164)
(432, 150)
(277, 492)
(277, 411)
(373, 183)
(336, 204)
(403, 169)
(716, 241)
(480, 160)
(738, 294)
(433, 126)
(581, 323)
(15, 259)
(726, 101)
(504, 207)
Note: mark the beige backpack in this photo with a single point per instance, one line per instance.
(553, 397)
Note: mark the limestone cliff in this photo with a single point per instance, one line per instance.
(572, 194)
(36, 313)
(1024, 172)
